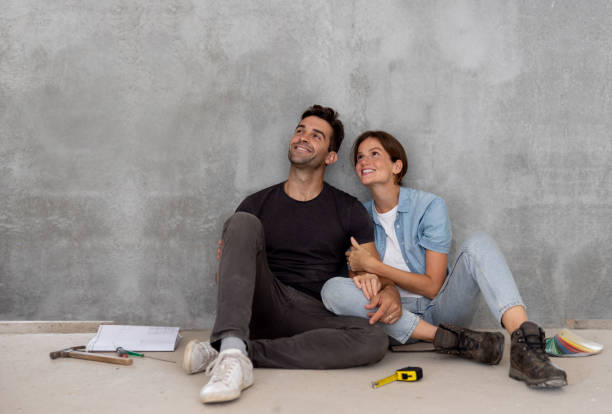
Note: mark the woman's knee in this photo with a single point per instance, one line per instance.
(336, 293)
(478, 242)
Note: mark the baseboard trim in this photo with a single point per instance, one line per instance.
(35, 327)
(589, 323)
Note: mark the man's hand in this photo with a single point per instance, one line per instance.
(358, 258)
(389, 306)
(368, 283)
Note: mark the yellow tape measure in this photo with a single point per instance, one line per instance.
(408, 374)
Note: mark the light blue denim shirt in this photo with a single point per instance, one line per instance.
(422, 223)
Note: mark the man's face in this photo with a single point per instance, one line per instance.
(310, 143)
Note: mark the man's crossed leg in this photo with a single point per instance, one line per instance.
(263, 322)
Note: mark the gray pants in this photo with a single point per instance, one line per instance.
(283, 327)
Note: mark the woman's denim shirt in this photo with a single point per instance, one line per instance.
(422, 223)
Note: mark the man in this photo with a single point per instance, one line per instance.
(278, 250)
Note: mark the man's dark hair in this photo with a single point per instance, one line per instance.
(331, 117)
(390, 144)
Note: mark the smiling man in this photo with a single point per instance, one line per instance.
(278, 249)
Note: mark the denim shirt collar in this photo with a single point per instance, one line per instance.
(412, 203)
(404, 204)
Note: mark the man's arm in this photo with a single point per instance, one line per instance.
(389, 305)
(387, 299)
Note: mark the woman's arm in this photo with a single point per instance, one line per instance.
(428, 284)
(387, 299)
(369, 283)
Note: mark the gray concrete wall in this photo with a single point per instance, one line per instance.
(129, 130)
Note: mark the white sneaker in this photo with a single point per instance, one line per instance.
(231, 372)
(197, 356)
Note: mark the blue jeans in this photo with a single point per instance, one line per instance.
(479, 267)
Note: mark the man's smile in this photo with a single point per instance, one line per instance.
(302, 148)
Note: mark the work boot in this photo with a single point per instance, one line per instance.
(528, 359)
(485, 347)
(197, 356)
(232, 372)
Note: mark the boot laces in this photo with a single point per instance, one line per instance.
(537, 345)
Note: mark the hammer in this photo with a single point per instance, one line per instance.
(75, 353)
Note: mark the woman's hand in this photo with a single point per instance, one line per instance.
(358, 258)
(368, 283)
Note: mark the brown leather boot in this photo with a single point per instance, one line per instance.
(485, 347)
(528, 359)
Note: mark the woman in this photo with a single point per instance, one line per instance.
(413, 237)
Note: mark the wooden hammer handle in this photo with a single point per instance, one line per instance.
(101, 358)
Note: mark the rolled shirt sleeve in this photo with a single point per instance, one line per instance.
(434, 231)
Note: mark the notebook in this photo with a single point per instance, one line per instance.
(135, 338)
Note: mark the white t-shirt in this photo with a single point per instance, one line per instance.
(393, 254)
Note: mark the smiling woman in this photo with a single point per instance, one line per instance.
(377, 144)
(413, 238)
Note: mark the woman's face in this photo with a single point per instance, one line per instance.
(374, 165)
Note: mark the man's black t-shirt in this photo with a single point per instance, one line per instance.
(306, 240)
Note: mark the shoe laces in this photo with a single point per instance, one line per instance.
(208, 353)
(226, 364)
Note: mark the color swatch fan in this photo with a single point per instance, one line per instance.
(568, 344)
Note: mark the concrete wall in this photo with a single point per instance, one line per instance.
(129, 131)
